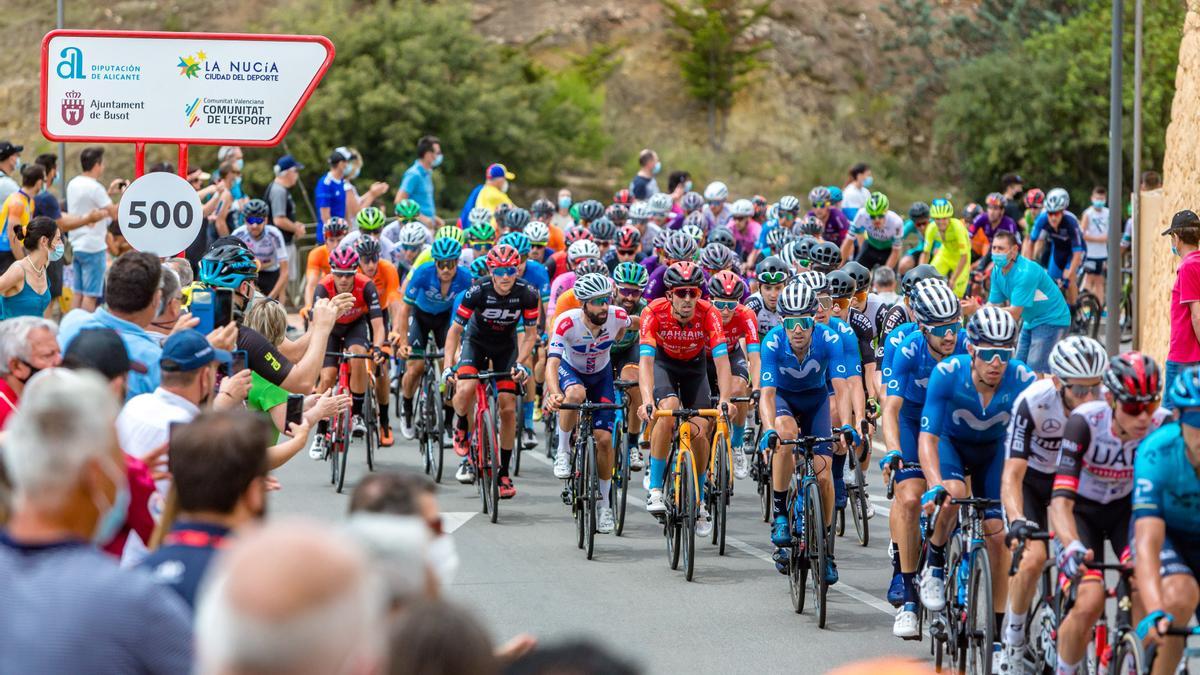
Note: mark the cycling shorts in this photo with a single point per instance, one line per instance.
(624, 357)
(910, 434)
(1035, 496)
(343, 335)
(738, 366)
(599, 388)
(422, 323)
(1095, 266)
(871, 257)
(687, 380)
(1096, 522)
(810, 409)
(982, 462)
(477, 356)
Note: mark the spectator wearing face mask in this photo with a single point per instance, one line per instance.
(858, 190)
(562, 217)
(27, 345)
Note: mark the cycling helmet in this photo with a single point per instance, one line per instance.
(695, 233)
(370, 219)
(538, 233)
(479, 214)
(501, 211)
(407, 210)
(451, 232)
(679, 246)
(660, 203)
(413, 234)
(343, 261)
(772, 270)
(577, 233)
(683, 273)
(971, 212)
(603, 229)
(628, 237)
(1132, 377)
(918, 210)
(255, 208)
(228, 266)
(1034, 198)
(479, 268)
(517, 240)
(813, 279)
(691, 201)
(826, 254)
(773, 212)
(877, 204)
(935, 304)
(811, 225)
(819, 195)
(503, 255)
(789, 204)
(639, 212)
(803, 247)
(778, 238)
(995, 199)
(1057, 200)
(516, 219)
(860, 274)
(541, 209)
(695, 219)
(591, 266)
(631, 273)
(623, 197)
(368, 249)
(941, 208)
(717, 257)
(445, 248)
(797, 298)
(909, 281)
(835, 194)
(760, 207)
(582, 249)
(722, 236)
(726, 285)
(481, 232)
(336, 227)
(1078, 357)
(574, 212)
(716, 192)
(742, 208)
(591, 286)
(789, 255)
(590, 210)
(992, 325)
(840, 284)
(618, 214)
(1185, 391)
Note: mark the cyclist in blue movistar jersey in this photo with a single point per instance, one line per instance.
(1166, 538)
(801, 359)
(1060, 229)
(967, 407)
(840, 288)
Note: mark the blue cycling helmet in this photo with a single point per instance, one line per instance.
(228, 267)
(445, 248)
(519, 241)
(835, 194)
(479, 268)
(1185, 391)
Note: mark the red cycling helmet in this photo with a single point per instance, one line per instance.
(1133, 377)
(623, 197)
(344, 260)
(628, 237)
(503, 256)
(576, 233)
(726, 285)
(683, 273)
(1034, 198)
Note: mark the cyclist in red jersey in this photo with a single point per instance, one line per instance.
(677, 332)
(738, 323)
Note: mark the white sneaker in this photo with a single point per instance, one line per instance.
(406, 428)
(654, 503)
(636, 463)
(317, 449)
(646, 481)
(1013, 661)
(905, 626)
(605, 521)
(357, 426)
(999, 659)
(870, 509)
(465, 473)
(562, 464)
(704, 524)
(932, 590)
(741, 465)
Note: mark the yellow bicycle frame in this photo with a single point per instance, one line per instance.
(685, 448)
(721, 432)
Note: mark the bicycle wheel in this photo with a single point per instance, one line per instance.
(1088, 310)
(858, 505)
(578, 470)
(519, 445)
(1127, 656)
(371, 418)
(621, 495)
(720, 495)
(550, 428)
(980, 619)
(435, 441)
(687, 495)
(816, 544)
(591, 484)
(331, 454)
(797, 567)
(343, 451)
(493, 459)
(478, 452)
(764, 485)
(955, 609)
(671, 524)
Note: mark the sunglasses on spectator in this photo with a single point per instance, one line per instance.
(1135, 408)
(990, 354)
(504, 271)
(941, 332)
(629, 292)
(824, 301)
(599, 302)
(686, 293)
(725, 305)
(447, 264)
(255, 220)
(802, 322)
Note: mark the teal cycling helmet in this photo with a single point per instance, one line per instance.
(631, 273)
(446, 248)
(228, 267)
(517, 240)
(479, 268)
(835, 194)
(1185, 391)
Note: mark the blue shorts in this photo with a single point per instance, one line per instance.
(89, 273)
(910, 434)
(810, 409)
(982, 462)
(1173, 559)
(599, 388)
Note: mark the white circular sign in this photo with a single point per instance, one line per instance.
(160, 213)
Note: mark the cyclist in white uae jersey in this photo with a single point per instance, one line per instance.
(579, 353)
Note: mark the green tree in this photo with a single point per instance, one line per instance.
(406, 68)
(717, 55)
(1042, 106)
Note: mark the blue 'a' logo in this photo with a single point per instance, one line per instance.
(71, 66)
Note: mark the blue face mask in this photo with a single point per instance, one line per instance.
(111, 520)
(57, 253)
(1174, 251)
(564, 202)
(999, 259)
(868, 181)
(437, 161)
(657, 167)
(239, 164)
(1099, 203)
(688, 186)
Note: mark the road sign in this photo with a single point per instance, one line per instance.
(186, 88)
(160, 213)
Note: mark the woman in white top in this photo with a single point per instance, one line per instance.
(857, 191)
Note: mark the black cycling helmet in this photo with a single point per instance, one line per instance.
(603, 229)
(542, 209)
(368, 249)
(772, 270)
(717, 257)
(804, 246)
(683, 273)
(255, 208)
(827, 255)
(918, 210)
(590, 210)
(722, 236)
(840, 284)
(516, 219)
(921, 272)
(861, 275)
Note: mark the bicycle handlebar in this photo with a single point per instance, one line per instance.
(688, 412)
(485, 375)
(1020, 550)
(348, 355)
(427, 355)
(625, 384)
(588, 405)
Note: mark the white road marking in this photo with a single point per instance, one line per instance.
(455, 519)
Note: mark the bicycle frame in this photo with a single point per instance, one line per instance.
(684, 432)
(721, 432)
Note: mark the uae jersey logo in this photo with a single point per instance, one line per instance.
(72, 108)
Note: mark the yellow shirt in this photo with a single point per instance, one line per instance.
(17, 210)
(955, 244)
(491, 197)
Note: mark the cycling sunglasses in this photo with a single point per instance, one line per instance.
(990, 354)
(824, 301)
(772, 277)
(504, 271)
(842, 303)
(533, 246)
(629, 292)
(861, 296)
(255, 220)
(725, 305)
(600, 302)
(818, 205)
(1135, 408)
(446, 264)
(627, 251)
(481, 245)
(941, 332)
(791, 323)
(686, 293)
(411, 249)
(1082, 390)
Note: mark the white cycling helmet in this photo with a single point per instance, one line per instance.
(1057, 200)
(590, 286)
(538, 233)
(581, 249)
(660, 203)
(788, 254)
(716, 192)
(992, 325)
(413, 234)
(935, 304)
(639, 212)
(797, 298)
(813, 279)
(742, 208)
(1078, 357)
(479, 214)
(773, 212)
(693, 231)
(789, 204)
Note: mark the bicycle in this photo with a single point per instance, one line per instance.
(429, 423)
(857, 497)
(621, 453)
(519, 443)
(581, 492)
(809, 552)
(1151, 652)
(1127, 301)
(719, 487)
(1121, 652)
(1042, 626)
(681, 492)
(1085, 314)
(484, 452)
(338, 434)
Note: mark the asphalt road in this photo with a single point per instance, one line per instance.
(524, 574)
